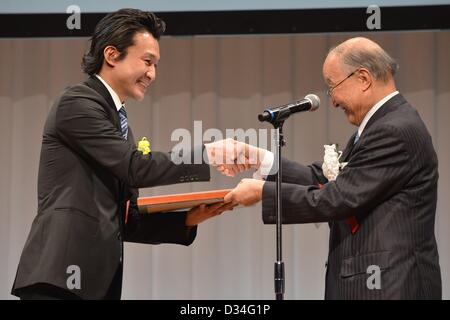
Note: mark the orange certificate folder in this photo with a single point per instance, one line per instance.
(179, 201)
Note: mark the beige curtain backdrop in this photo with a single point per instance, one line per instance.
(224, 82)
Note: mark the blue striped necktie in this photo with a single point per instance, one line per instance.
(123, 122)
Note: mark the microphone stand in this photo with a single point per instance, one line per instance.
(279, 264)
(276, 117)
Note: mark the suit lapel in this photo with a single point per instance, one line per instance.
(94, 83)
(386, 108)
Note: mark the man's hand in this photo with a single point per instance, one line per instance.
(203, 212)
(231, 157)
(247, 192)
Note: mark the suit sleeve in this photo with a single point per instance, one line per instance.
(168, 227)
(156, 228)
(377, 170)
(296, 173)
(85, 127)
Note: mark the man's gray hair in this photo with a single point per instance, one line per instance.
(380, 64)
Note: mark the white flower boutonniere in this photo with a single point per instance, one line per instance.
(331, 165)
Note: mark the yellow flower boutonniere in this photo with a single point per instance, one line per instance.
(143, 145)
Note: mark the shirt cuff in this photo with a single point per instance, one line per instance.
(265, 167)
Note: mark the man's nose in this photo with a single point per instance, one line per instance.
(151, 74)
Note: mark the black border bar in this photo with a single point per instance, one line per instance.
(241, 22)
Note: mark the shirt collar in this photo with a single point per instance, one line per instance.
(374, 109)
(113, 94)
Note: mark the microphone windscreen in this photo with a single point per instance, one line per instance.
(315, 101)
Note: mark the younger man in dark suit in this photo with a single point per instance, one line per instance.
(90, 170)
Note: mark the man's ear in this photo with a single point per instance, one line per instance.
(111, 55)
(365, 77)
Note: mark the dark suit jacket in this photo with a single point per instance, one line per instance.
(390, 184)
(87, 172)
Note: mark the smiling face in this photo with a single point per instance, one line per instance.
(349, 94)
(131, 76)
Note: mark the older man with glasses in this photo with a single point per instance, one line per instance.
(388, 187)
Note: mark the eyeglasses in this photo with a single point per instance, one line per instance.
(330, 89)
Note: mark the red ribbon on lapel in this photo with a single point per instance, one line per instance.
(354, 225)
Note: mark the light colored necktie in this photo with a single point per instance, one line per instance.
(356, 138)
(123, 122)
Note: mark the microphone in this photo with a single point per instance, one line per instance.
(310, 103)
